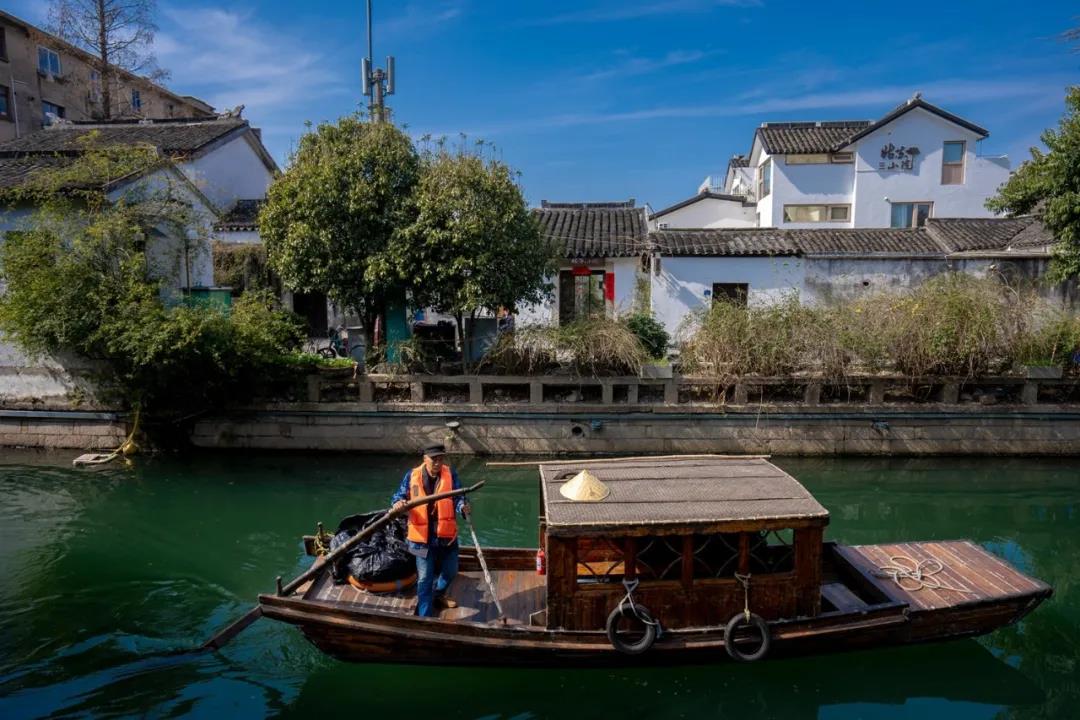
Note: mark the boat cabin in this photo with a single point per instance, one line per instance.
(684, 528)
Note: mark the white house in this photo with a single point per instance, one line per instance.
(600, 247)
(692, 268)
(917, 162)
(218, 165)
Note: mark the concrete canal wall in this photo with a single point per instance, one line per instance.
(603, 430)
(870, 415)
(61, 429)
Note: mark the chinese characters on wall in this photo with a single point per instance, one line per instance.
(898, 158)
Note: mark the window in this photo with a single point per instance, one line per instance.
(764, 179)
(730, 292)
(816, 213)
(48, 61)
(3, 44)
(839, 213)
(952, 163)
(811, 159)
(843, 157)
(50, 111)
(906, 215)
(136, 100)
(95, 86)
(5, 102)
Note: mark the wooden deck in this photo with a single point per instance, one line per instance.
(969, 574)
(521, 593)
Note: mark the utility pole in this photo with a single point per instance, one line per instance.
(377, 83)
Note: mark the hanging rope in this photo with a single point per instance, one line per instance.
(745, 580)
(917, 575)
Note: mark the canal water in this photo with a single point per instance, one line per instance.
(103, 570)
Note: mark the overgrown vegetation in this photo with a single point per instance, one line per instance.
(243, 267)
(95, 274)
(654, 338)
(953, 324)
(590, 347)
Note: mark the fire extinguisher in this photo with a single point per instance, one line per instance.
(541, 563)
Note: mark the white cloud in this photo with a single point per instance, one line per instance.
(878, 100)
(644, 66)
(419, 18)
(231, 58)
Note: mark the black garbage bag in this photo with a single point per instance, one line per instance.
(382, 557)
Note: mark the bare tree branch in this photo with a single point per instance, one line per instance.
(119, 32)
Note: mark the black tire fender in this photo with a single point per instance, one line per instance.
(641, 615)
(729, 637)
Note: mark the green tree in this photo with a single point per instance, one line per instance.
(1049, 183)
(473, 245)
(79, 279)
(345, 195)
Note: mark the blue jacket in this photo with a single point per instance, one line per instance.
(403, 494)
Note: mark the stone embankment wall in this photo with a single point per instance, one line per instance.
(874, 415)
(61, 429)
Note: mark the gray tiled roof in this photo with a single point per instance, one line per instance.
(1034, 236)
(723, 242)
(807, 137)
(738, 161)
(944, 236)
(14, 171)
(864, 241)
(594, 230)
(173, 137)
(244, 215)
(969, 234)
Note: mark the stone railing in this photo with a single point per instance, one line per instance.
(343, 386)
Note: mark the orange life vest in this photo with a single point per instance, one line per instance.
(418, 516)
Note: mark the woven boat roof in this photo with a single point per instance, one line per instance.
(707, 491)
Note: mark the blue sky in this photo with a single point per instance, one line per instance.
(623, 98)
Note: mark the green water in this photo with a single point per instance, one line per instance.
(100, 570)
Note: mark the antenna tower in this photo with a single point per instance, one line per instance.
(377, 83)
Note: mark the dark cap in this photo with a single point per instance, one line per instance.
(433, 450)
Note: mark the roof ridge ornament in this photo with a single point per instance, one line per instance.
(584, 487)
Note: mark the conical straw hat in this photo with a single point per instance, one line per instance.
(584, 487)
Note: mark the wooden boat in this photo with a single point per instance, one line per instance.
(705, 543)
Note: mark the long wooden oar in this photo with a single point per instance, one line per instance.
(484, 567)
(239, 625)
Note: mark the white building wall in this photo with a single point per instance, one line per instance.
(765, 209)
(708, 213)
(928, 132)
(230, 172)
(816, 184)
(681, 285)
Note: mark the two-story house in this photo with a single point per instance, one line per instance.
(44, 79)
(918, 161)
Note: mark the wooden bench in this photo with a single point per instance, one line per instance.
(841, 598)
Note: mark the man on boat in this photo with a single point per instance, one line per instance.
(432, 535)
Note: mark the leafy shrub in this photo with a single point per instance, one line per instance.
(654, 338)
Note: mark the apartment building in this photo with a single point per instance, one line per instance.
(917, 162)
(44, 79)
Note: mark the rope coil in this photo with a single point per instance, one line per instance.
(918, 575)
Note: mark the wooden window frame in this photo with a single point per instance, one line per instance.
(914, 212)
(826, 216)
(136, 99)
(962, 164)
